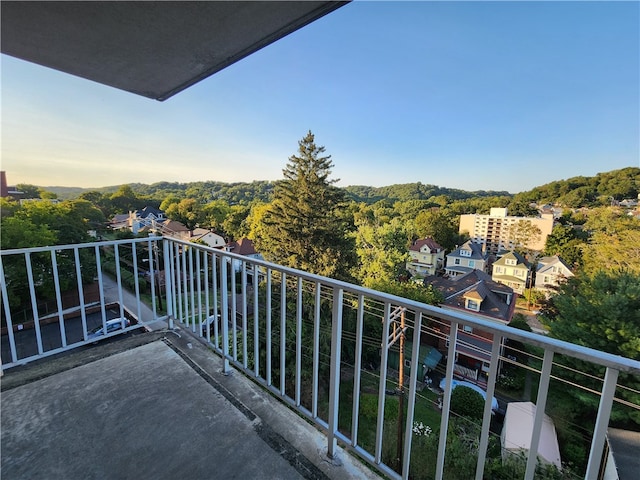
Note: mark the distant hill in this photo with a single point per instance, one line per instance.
(413, 191)
(573, 192)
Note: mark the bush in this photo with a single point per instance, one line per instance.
(466, 402)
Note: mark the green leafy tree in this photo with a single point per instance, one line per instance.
(602, 312)
(29, 191)
(440, 225)
(188, 212)
(566, 242)
(303, 227)
(125, 200)
(382, 251)
(214, 213)
(524, 234)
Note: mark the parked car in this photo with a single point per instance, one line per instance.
(112, 326)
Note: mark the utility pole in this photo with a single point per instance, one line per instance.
(398, 334)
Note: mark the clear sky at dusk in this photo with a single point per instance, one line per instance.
(471, 95)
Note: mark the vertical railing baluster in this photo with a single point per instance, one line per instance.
(216, 293)
(298, 341)
(446, 407)
(190, 299)
(103, 306)
(34, 302)
(225, 314)
(234, 310)
(382, 388)
(83, 313)
(199, 290)
(116, 252)
(7, 314)
(168, 281)
(207, 293)
(56, 284)
(268, 327)
(316, 350)
(538, 419)
(486, 418)
(602, 423)
(357, 372)
(152, 277)
(256, 326)
(136, 282)
(334, 376)
(415, 364)
(283, 331)
(243, 287)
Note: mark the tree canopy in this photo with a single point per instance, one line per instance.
(303, 226)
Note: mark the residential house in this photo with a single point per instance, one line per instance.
(208, 237)
(245, 247)
(147, 217)
(465, 259)
(475, 294)
(493, 230)
(427, 257)
(512, 269)
(551, 272)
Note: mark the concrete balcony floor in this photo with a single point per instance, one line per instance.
(156, 406)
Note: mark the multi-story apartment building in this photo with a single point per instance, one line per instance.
(427, 257)
(495, 230)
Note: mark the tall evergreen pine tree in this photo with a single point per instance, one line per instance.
(303, 227)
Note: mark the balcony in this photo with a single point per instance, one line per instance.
(330, 356)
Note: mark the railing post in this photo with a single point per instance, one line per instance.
(334, 379)
(538, 419)
(226, 369)
(602, 422)
(444, 423)
(166, 250)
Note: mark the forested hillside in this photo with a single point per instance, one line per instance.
(574, 192)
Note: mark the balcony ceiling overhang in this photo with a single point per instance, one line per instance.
(153, 49)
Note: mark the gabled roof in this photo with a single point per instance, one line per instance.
(546, 263)
(428, 242)
(147, 211)
(474, 248)
(520, 260)
(244, 246)
(477, 284)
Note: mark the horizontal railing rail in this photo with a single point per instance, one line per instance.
(333, 351)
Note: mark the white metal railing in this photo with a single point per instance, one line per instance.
(321, 346)
(33, 277)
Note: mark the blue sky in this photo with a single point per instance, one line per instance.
(470, 95)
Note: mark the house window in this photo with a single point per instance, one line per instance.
(546, 279)
(473, 305)
(498, 269)
(457, 261)
(465, 253)
(472, 263)
(467, 329)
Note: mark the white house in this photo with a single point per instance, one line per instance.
(550, 272)
(465, 259)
